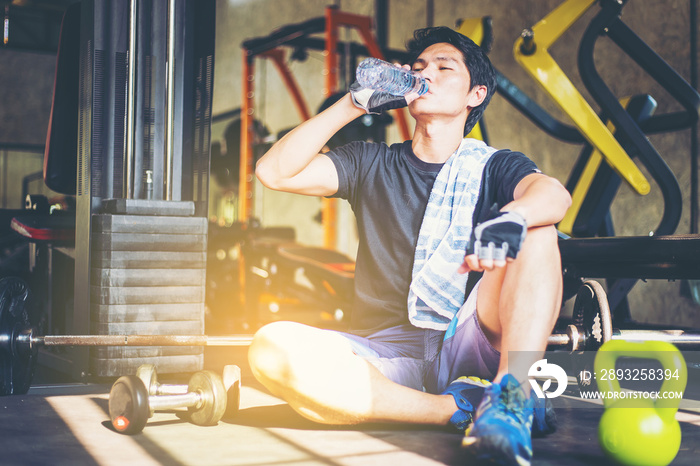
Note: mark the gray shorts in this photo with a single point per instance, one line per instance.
(427, 359)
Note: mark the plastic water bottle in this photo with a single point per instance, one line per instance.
(373, 73)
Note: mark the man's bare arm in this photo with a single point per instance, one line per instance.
(540, 200)
(294, 163)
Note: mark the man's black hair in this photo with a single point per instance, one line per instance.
(480, 68)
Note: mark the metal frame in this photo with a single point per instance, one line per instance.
(531, 52)
(104, 74)
(592, 216)
(608, 21)
(297, 36)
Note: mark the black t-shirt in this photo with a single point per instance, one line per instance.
(388, 188)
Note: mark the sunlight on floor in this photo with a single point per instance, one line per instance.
(83, 416)
(169, 438)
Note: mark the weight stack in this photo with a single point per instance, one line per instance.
(147, 277)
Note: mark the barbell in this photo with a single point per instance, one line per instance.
(591, 326)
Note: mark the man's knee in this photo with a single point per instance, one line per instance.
(268, 354)
(303, 365)
(547, 235)
(285, 353)
(542, 240)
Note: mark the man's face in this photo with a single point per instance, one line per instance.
(449, 96)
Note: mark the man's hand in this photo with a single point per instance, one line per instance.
(373, 101)
(494, 242)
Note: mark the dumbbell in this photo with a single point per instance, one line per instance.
(130, 404)
(148, 375)
(231, 379)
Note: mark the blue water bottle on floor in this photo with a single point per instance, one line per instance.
(373, 73)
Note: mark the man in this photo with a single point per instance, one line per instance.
(414, 203)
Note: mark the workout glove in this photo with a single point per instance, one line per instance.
(373, 101)
(499, 237)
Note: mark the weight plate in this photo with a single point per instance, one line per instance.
(146, 294)
(105, 223)
(110, 367)
(592, 314)
(212, 405)
(17, 360)
(148, 242)
(146, 277)
(148, 260)
(128, 405)
(232, 383)
(149, 377)
(591, 311)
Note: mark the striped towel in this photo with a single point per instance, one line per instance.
(437, 290)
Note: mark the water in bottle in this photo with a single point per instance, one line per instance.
(373, 73)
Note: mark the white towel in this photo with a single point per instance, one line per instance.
(437, 290)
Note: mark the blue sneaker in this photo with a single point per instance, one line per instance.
(501, 432)
(545, 419)
(467, 392)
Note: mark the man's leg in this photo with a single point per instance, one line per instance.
(319, 375)
(518, 305)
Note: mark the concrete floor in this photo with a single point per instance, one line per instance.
(68, 424)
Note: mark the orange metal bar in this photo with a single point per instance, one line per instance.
(330, 70)
(329, 213)
(278, 57)
(245, 177)
(363, 24)
(245, 185)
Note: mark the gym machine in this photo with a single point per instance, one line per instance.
(594, 184)
(129, 138)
